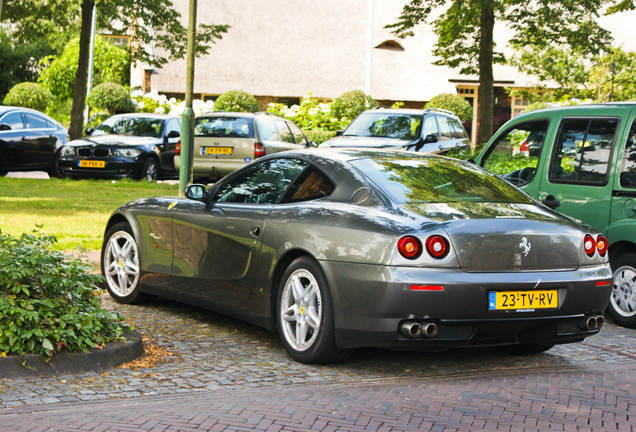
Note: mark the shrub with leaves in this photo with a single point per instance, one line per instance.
(111, 97)
(236, 101)
(48, 302)
(454, 103)
(29, 95)
(348, 105)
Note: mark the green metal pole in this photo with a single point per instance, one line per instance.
(187, 119)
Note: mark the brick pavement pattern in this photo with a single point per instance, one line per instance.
(535, 399)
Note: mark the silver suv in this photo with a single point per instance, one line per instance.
(429, 131)
(225, 141)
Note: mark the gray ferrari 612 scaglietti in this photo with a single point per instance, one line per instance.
(339, 249)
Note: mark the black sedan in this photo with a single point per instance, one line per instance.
(140, 146)
(339, 249)
(29, 141)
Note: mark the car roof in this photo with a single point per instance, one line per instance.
(146, 115)
(6, 108)
(411, 111)
(238, 114)
(579, 109)
(349, 154)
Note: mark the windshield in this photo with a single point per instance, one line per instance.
(135, 126)
(224, 127)
(387, 125)
(415, 180)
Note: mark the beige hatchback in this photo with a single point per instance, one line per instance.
(225, 141)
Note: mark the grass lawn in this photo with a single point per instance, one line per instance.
(74, 211)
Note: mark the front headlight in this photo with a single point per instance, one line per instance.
(67, 151)
(127, 153)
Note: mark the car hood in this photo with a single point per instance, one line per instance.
(116, 140)
(365, 142)
(491, 237)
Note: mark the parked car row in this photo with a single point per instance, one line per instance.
(147, 146)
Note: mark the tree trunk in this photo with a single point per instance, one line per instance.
(486, 80)
(81, 78)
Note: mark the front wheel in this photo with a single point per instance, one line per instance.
(305, 315)
(622, 306)
(149, 170)
(120, 265)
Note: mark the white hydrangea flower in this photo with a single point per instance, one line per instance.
(314, 111)
(173, 101)
(160, 110)
(134, 101)
(141, 105)
(295, 108)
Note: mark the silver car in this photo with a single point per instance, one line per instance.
(226, 141)
(339, 249)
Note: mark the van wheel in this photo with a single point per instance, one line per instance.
(622, 306)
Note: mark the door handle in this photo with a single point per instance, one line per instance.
(255, 231)
(551, 202)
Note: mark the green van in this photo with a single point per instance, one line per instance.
(581, 161)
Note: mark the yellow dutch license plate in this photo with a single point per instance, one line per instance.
(91, 164)
(515, 300)
(216, 150)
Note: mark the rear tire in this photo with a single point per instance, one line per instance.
(54, 169)
(120, 265)
(622, 305)
(305, 315)
(524, 349)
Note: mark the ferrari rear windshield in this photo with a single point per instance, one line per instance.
(437, 180)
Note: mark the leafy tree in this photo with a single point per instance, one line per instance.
(112, 64)
(609, 76)
(146, 21)
(465, 34)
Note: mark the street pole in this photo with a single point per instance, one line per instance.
(367, 87)
(187, 119)
(91, 62)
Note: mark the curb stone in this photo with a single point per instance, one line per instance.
(110, 356)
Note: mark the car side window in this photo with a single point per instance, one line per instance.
(312, 184)
(628, 166)
(430, 127)
(14, 120)
(267, 130)
(515, 154)
(35, 121)
(299, 136)
(173, 125)
(458, 129)
(284, 131)
(582, 151)
(445, 128)
(263, 183)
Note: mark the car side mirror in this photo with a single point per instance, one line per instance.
(174, 134)
(89, 131)
(195, 192)
(340, 132)
(4, 126)
(430, 138)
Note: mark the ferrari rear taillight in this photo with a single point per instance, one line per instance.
(177, 151)
(589, 244)
(409, 247)
(259, 150)
(437, 246)
(601, 245)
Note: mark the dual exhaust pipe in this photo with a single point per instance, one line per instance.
(592, 322)
(414, 329)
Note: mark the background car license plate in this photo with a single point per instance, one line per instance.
(91, 164)
(216, 150)
(512, 300)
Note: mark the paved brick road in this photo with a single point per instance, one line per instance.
(229, 375)
(538, 399)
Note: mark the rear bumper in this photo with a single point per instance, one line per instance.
(371, 301)
(213, 168)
